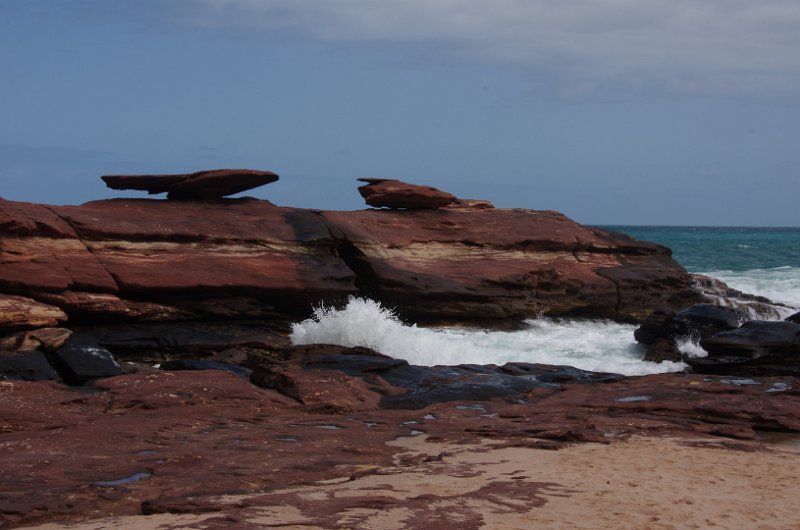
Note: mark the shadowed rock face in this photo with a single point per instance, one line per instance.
(201, 185)
(136, 259)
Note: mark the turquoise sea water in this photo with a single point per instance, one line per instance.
(762, 261)
(703, 249)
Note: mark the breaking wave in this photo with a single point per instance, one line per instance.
(779, 284)
(600, 346)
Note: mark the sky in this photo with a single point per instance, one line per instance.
(649, 112)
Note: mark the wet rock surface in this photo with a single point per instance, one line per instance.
(174, 441)
(758, 347)
(395, 384)
(732, 343)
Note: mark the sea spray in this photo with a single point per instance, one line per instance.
(779, 284)
(600, 346)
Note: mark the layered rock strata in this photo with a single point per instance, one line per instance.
(138, 259)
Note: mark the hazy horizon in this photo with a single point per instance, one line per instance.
(614, 113)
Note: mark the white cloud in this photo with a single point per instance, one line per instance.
(704, 46)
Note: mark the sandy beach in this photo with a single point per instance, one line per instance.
(640, 483)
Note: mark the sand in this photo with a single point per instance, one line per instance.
(641, 483)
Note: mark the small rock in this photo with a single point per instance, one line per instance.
(50, 339)
(396, 194)
(82, 360)
(794, 318)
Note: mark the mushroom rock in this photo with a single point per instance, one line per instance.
(201, 185)
(396, 194)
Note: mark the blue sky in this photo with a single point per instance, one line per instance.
(611, 111)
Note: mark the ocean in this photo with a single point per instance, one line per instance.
(760, 261)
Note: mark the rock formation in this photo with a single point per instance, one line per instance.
(201, 185)
(176, 442)
(190, 300)
(396, 194)
(138, 259)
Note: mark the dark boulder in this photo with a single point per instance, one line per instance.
(759, 347)
(28, 366)
(794, 318)
(655, 326)
(558, 374)
(662, 329)
(756, 339)
(704, 320)
(82, 360)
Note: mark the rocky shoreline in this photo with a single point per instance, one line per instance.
(145, 365)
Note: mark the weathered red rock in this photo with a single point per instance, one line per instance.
(146, 259)
(47, 339)
(396, 194)
(201, 185)
(469, 204)
(172, 442)
(18, 312)
(135, 259)
(503, 263)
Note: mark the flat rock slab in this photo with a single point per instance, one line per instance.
(19, 312)
(170, 440)
(201, 185)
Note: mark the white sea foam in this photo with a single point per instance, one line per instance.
(781, 284)
(590, 345)
(691, 346)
